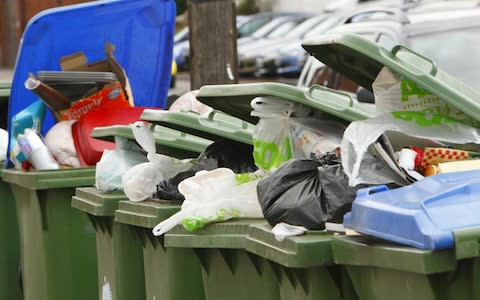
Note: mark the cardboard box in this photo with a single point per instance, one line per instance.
(78, 62)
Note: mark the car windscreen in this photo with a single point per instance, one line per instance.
(305, 27)
(455, 51)
(283, 29)
(269, 27)
(252, 25)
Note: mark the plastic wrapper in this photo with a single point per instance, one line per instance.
(306, 193)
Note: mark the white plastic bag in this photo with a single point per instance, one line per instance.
(115, 163)
(189, 102)
(358, 164)
(271, 141)
(60, 143)
(283, 230)
(394, 94)
(213, 196)
(140, 182)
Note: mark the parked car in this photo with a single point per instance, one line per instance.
(447, 32)
(247, 52)
(246, 26)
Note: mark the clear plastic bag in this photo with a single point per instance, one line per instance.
(213, 196)
(115, 163)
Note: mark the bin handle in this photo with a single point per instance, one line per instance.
(212, 114)
(364, 193)
(398, 48)
(322, 88)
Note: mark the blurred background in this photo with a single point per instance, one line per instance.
(269, 35)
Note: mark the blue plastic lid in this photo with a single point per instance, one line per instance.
(141, 30)
(424, 214)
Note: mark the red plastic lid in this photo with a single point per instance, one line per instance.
(90, 150)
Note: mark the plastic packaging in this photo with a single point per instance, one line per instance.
(59, 141)
(283, 230)
(30, 117)
(35, 150)
(115, 163)
(189, 102)
(213, 196)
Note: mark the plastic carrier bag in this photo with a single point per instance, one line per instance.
(213, 196)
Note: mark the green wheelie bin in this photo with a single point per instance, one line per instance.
(228, 270)
(169, 273)
(57, 242)
(119, 249)
(380, 269)
(10, 276)
(383, 270)
(303, 265)
(168, 270)
(10, 280)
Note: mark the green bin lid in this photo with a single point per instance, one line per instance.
(168, 141)
(361, 60)
(146, 214)
(51, 179)
(227, 235)
(96, 202)
(213, 125)
(235, 99)
(312, 249)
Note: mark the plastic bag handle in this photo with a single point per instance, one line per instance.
(397, 48)
(364, 193)
(322, 88)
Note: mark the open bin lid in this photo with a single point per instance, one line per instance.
(87, 27)
(361, 60)
(425, 214)
(235, 99)
(168, 141)
(213, 125)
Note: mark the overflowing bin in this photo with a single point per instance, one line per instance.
(119, 249)
(384, 270)
(303, 265)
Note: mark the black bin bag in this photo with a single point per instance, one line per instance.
(307, 193)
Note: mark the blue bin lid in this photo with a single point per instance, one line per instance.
(141, 30)
(423, 215)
